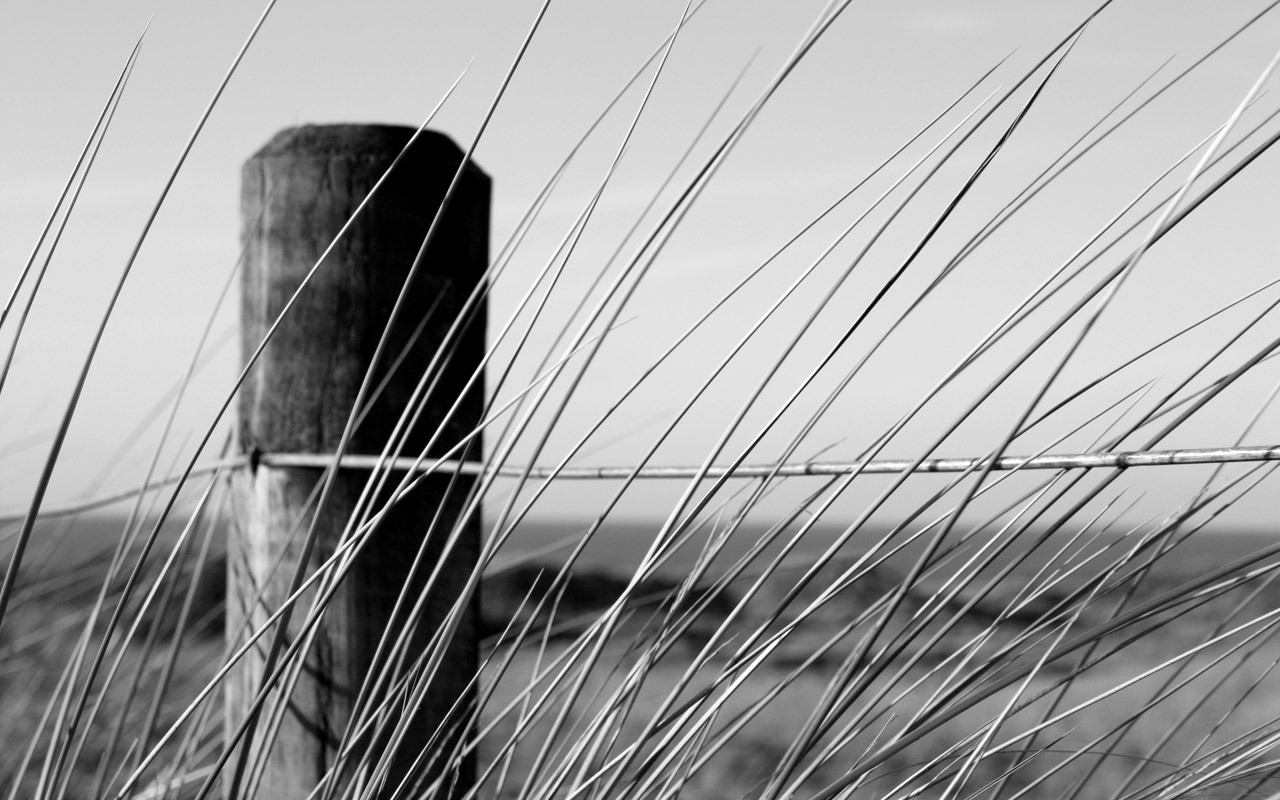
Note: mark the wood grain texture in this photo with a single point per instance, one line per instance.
(297, 193)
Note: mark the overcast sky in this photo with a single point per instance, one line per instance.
(882, 71)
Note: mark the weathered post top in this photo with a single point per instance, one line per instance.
(296, 194)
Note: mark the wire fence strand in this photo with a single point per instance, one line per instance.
(1133, 458)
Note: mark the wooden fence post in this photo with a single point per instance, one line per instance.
(296, 194)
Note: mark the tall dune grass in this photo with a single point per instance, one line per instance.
(821, 605)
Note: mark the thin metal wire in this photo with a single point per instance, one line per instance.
(1136, 458)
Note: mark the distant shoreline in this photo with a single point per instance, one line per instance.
(621, 545)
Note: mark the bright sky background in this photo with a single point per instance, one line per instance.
(883, 70)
